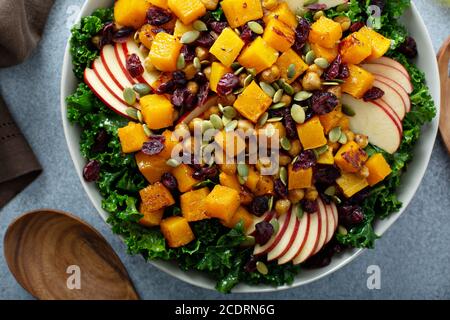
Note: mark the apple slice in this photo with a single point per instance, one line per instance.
(197, 111)
(283, 222)
(288, 238)
(112, 66)
(324, 230)
(265, 217)
(131, 47)
(312, 238)
(392, 63)
(391, 73)
(392, 98)
(400, 90)
(332, 221)
(298, 5)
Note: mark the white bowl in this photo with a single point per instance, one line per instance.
(410, 181)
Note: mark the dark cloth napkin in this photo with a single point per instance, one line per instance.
(21, 25)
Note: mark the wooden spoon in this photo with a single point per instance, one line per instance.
(443, 58)
(49, 251)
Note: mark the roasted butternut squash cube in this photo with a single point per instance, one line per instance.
(252, 102)
(279, 35)
(218, 70)
(152, 167)
(131, 13)
(258, 55)
(222, 203)
(351, 183)
(331, 119)
(156, 196)
(181, 28)
(176, 231)
(183, 174)
(359, 81)
(187, 11)
(326, 157)
(227, 47)
(165, 51)
(150, 218)
(169, 144)
(230, 181)
(264, 186)
(193, 204)
(311, 134)
(230, 142)
(159, 3)
(350, 157)
(299, 179)
(355, 48)
(379, 169)
(325, 32)
(380, 44)
(157, 110)
(283, 13)
(241, 214)
(239, 12)
(285, 60)
(132, 137)
(252, 179)
(344, 123)
(328, 53)
(147, 34)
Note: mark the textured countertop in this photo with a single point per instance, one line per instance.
(413, 256)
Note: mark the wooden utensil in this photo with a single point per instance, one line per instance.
(444, 122)
(48, 251)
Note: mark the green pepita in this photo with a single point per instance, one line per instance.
(267, 88)
(239, 71)
(291, 71)
(242, 169)
(278, 95)
(199, 25)
(142, 89)
(322, 62)
(287, 88)
(181, 63)
(342, 230)
(189, 37)
(231, 126)
(173, 163)
(283, 175)
(147, 131)
(226, 120)
(249, 241)
(274, 119)
(285, 143)
(216, 121)
(276, 86)
(242, 180)
(300, 211)
(252, 71)
(275, 224)
(206, 125)
(255, 27)
(197, 64)
(321, 150)
(343, 138)
(318, 15)
(306, 48)
(263, 119)
(270, 203)
(337, 200)
(347, 110)
(298, 113)
(334, 134)
(235, 65)
(278, 105)
(248, 80)
(129, 96)
(330, 83)
(140, 116)
(132, 113)
(238, 91)
(229, 112)
(330, 191)
(310, 57)
(302, 96)
(262, 268)
(342, 7)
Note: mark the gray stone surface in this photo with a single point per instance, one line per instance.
(413, 255)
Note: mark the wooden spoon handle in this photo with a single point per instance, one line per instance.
(443, 58)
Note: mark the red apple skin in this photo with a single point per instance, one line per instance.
(392, 98)
(288, 238)
(313, 234)
(324, 230)
(259, 250)
(400, 90)
(391, 73)
(283, 259)
(392, 63)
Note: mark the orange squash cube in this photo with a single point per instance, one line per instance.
(230, 181)
(285, 60)
(165, 51)
(326, 157)
(159, 3)
(358, 82)
(283, 13)
(299, 179)
(187, 11)
(325, 32)
(169, 144)
(239, 12)
(131, 13)
(181, 28)
(279, 35)
(222, 203)
(218, 70)
(132, 137)
(183, 174)
(177, 231)
(355, 48)
(147, 35)
(264, 186)
(156, 196)
(350, 157)
(311, 134)
(252, 179)
(241, 214)
(150, 218)
(252, 102)
(258, 55)
(331, 119)
(380, 44)
(152, 167)
(378, 169)
(193, 204)
(351, 183)
(157, 111)
(344, 122)
(230, 142)
(328, 53)
(227, 47)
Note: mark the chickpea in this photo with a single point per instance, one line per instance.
(210, 4)
(182, 131)
(284, 160)
(270, 4)
(192, 86)
(282, 206)
(296, 195)
(244, 125)
(287, 99)
(297, 86)
(207, 72)
(315, 68)
(364, 172)
(362, 140)
(318, 15)
(271, 74)
(311, 194)
(350, 135)
(311, 81)
(196, 122)
(344, 22)
(201, 53)
(242, 77)
(227, 100)
(191, 71)
(229, 169)
(212, 110)
(296, 147)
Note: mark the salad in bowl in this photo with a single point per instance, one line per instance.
(247, 140)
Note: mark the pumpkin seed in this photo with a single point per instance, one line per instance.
(206, 125)
(321, 150)
(287, 88)
(147, 131)
(298, 113)
(347, 110)
(249, 241)
(267, 88)
(310, 57)
(226, 120)
(318, 15)
(270, 203)
(173, 163)
(139, 116)
(275, 119)
(342, 7)
(132, 113)
(142, 89)
(231, 126)
(285, 143)
(255, 27)
(283, 175)
(278, 95)
(330, 83)
(338, 81)
(302, 96)
(294, 160)
(276, 86)
(337, 200)
(205, 63)
(242, 170)
(300, 211)
(248, 80)
(291, 71)
(220, 106)
(262, 268)
(330, 191)
(306, 48)
(343, 138)
(189, 37)
(275, 224)
(199, 25)
(342, 230)
(197, 63)
(238, 71)
(129, 96)
(238, 91)
(235, 65)
(216, 121)
(322, 62)
(263, 119)
(278, 105)
(309, 2)
(181, 63)
(242, 180)
(229, 112)
(252, 71)
(334, 134)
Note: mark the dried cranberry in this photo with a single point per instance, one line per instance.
(409, 48)
(179, 79)
(205, 173)
(169, 181)
(206, 40)
(260, 205)
(332, 72)
(263, 232)
(91, 171)
(218, 26)
(101, 141)
(288, 122)
(280, 188)
(359, 197)
(309, 206)
(250, 266)
(305, 160)
(301, 35)
(344, 72)
(107, 34)
(351, 215)
(247, 35)
(356, 26)
(202, 94)
(158, 16)
(326, 175)
(122, 34)
(154, 146)
(317, 6)
(190, 101)
(178, 96)
(134, 65)
(227, 84)
(373, 93)
(323, 102)
(166, 87)
(188, 53)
